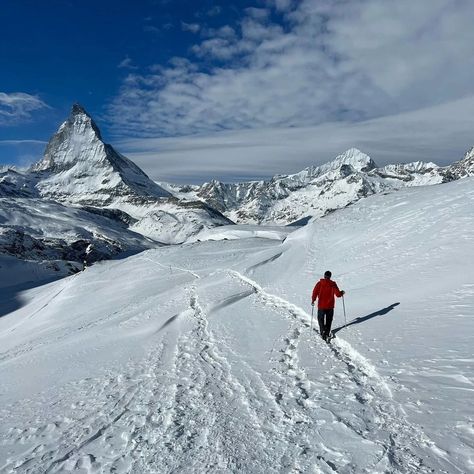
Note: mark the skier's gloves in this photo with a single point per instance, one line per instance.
(343, 292)
(312, 303)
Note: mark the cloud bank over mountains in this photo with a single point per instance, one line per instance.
(441, 134)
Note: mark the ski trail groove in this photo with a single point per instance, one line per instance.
(168, 267)
(209, 413)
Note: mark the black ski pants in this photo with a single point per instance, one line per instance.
(325, 317)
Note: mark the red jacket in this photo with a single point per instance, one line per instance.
(325, 290)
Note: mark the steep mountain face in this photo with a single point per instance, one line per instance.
(314, 191)
(16, 184)
(79, 168)
(462, 168)
(85, 196)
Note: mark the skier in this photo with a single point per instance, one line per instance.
(325, 290)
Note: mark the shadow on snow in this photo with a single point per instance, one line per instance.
(362, 319)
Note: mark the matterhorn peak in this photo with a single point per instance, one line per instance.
(78, 109)
(74, 141)
(80, 118)
(79, 167)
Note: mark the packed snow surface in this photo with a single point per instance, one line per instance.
(200, 358)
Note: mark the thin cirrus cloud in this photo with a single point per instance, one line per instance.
(191, 27)
(441, 134)
(18, 107)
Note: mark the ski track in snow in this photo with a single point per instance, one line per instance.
(373, 390)
(183, 409)
(167, 267)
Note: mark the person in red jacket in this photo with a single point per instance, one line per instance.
(325, 291)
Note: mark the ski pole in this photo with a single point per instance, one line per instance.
(344, 307)
(312, 311)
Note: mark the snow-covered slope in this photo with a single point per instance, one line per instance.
(233, 232)
(200, 358)
(315, 191)
(17, 184)
(60, 237)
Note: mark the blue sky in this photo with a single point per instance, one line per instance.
(195, 89)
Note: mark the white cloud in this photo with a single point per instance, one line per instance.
(418, 53)
(18, 107)
(214, 11)
(257, 13)
(22, 142)
(281, 5)
(127, 63)
(331, 61)
(441, 134)
(191, 27)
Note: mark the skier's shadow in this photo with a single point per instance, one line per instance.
(362, 319)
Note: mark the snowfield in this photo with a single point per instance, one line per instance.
(200, 358)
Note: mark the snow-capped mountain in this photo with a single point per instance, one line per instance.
(88, 193)
(462, 168)
(317, 190)
(14, 183)
(79, 168)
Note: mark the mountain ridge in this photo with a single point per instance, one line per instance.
(317, 190)
(80, 171)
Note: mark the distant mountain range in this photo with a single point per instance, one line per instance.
(317, 190)
(84, 201)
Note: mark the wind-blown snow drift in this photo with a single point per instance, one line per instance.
(199, 358)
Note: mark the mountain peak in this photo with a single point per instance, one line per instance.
(77, 133)
(356, 158)
(82, 168)
(81, 120)
(78, 109)
(464, 167)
